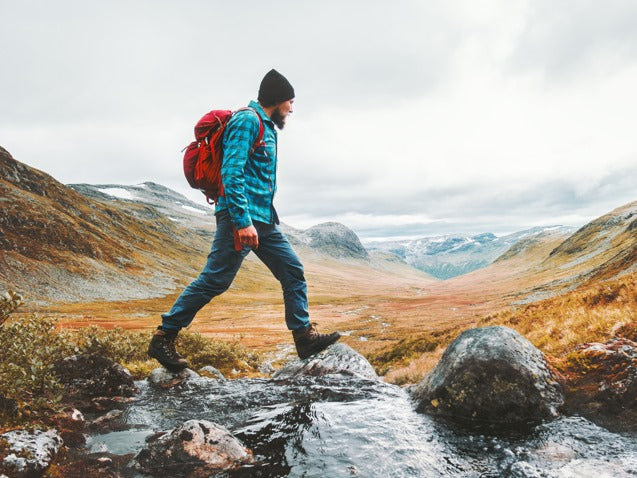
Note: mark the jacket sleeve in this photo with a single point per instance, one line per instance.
(241, 133)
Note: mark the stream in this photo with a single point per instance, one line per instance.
(335, 426)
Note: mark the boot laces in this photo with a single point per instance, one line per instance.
(168, 345)
(172, 343)
(313, 332)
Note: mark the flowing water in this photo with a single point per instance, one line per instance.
(337, 426)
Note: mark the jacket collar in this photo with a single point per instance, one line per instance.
(257, 107)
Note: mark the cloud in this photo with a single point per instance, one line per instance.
(470, 208)
(576, 37)
(443, 114)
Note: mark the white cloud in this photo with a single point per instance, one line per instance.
(408, 114)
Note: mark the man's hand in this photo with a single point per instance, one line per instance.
(249, 237)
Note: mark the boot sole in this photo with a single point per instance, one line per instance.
(169, 366)
(319, 348)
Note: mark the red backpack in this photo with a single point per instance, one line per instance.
(203, 157)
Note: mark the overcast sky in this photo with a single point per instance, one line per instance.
(411, 117)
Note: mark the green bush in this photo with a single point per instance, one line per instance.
(201, 351)
(9, 302)
(29, 349)
(116, 344)
(31, 346)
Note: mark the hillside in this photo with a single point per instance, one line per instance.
(112, 242)
(57, 244)
(119, 255)
(556, 291)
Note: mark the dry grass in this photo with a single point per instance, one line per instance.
(385, 309)
(589, 314)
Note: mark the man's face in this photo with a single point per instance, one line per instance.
(280, 114)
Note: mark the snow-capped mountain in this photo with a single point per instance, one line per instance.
(445, 257)
(177, 207)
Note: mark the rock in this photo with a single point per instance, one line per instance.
(266, 368)
(601, 382)
(71, 425)
(94, 383)
(593, 468)
(211, 371)
(28, 453)
(197, 446)
(336, 359)
(161, 377)
(105, 422)
(490, 375)
(522, 469)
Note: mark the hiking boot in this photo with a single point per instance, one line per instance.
(309, 341)
(162, 348)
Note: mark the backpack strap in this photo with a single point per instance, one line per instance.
(259, 141)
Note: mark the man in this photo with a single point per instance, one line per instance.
(246, 210)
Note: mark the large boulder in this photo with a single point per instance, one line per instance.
(490, 375)
(601, 382)
(94, 383)
(27, 453)
(196, 448)
(336, 359)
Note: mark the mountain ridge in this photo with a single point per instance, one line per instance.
(79, 243)
(448, 256)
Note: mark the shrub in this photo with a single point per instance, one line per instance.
(29, 349)
(224, 356)
(9, 302)
(116, 344)
(32, 345)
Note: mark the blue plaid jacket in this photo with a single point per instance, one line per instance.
(249, 179)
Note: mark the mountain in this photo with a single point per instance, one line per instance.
(174, 206)
(549, 264)
(57, 243)
(330, 238)
(445, 257)
(111, 242)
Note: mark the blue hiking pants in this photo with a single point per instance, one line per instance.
(223, 264)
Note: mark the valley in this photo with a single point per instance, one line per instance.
(88, 257)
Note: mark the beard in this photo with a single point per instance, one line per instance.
(278, 119)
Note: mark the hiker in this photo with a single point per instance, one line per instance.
(247, 221)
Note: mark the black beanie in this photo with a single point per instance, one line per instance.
(274, 89)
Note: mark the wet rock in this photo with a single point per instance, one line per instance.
(28, 453)
(209, 370)
(336, 359)
(522, 469)
(160, 377)
(105, 422)
(490, 375)
(71, 425)
(593, 468)
(601, 382)
(94, 383)
(196, 447)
